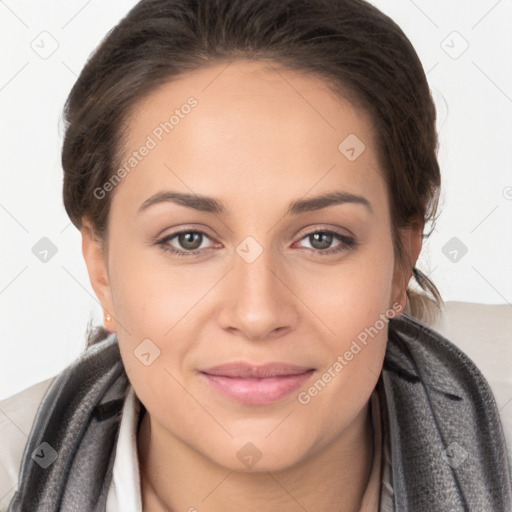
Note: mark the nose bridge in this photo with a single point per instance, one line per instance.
(255, 271)
(260, 302)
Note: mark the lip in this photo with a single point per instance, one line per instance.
(256, 384)
(247, 370)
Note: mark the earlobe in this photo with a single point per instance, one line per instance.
(94, 256)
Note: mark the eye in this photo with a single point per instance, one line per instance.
(190, 241)
(321, 241)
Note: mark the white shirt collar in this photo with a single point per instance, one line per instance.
(124, 494)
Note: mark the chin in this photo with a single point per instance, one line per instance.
(258, 456)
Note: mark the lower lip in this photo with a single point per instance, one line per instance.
(257, 391)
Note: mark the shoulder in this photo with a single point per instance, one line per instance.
(16, 419)
(474, 337)
(446, 358)
(483, 333)
(436, 393)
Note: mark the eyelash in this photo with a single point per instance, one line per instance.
(346, 243)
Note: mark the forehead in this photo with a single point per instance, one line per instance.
(248, 125)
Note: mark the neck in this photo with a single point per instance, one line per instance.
(334, 478)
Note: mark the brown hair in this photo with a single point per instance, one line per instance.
(352, 45)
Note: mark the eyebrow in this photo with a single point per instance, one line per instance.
(212, 205)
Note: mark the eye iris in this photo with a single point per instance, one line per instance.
(189, 240)
(325, 240)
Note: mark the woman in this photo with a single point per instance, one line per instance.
(252, 180)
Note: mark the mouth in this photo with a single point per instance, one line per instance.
(256, 385)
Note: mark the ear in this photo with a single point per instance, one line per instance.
(412, 239)
(94, 256)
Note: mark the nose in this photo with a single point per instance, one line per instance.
(260, 301)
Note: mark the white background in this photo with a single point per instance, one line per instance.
(45, 306)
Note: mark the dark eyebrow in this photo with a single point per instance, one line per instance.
(325, 200)
(195, 201)
(211, 205)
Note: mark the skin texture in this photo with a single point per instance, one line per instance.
(259, 138)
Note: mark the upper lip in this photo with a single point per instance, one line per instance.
(247, 370)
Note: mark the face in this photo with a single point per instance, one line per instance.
(260, 273)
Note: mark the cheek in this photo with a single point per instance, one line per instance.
(354, 305)
(352, 297)
(357, 314)
(151, 295)
(337, 397)
(154, 305)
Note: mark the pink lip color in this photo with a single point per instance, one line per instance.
(256, 385)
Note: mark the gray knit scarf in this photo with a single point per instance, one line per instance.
(431, 396)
